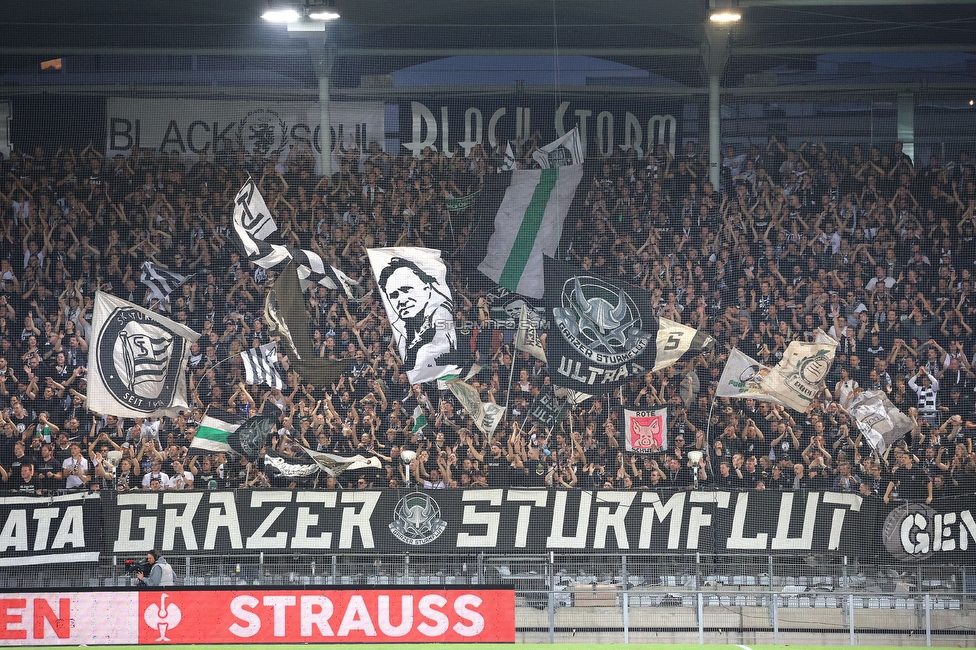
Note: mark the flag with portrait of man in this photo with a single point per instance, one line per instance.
(415, 293)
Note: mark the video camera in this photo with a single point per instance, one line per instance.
(136, 566)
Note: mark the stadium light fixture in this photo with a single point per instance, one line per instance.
(724, 11)
(310, 10)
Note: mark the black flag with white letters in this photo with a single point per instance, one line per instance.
(604, 332)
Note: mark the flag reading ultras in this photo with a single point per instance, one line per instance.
(603, 333)
(327, 616)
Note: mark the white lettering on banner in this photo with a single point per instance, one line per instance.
(616, 520)
(540, 498)
(466, 606)
(406, 616)
(698, 518)
(307, 519)
(258, 540)
(471, 517)
(675, 508)
(353, 520)
(661, 129)
(316, 611)
(737, 539)
(782, 540)
(174, 520)
(556, 538)
(68, 619)
(15, 533)
(923, 532)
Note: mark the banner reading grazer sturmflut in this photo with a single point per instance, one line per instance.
(604, 332)
(136, 360)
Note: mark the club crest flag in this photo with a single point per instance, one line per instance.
(528, 226)
(137, 360)
(647, 431)
(881, 422)
(527, 336)
(743, 377)
(798, 378)
(485, 415)
(418, 301)
(603, 333)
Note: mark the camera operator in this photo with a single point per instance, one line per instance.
(160, 572)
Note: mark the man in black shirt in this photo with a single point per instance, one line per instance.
(27, 484)
(910, 480)
(47, 469)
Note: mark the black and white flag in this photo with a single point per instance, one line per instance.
(418, 302)
(161, 282)
(603, 332)
(252, 223)
(136, 360)
(261, 366)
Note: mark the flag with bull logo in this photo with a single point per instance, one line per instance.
(647, 431)
(136, 360)
(603, 332)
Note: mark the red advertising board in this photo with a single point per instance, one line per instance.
(257, 616)
(324, 616)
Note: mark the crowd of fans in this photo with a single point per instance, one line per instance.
(865, 244)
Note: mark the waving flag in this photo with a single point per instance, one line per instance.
(529, 224)
(284, 312)
(161, 282)
(743, 378)
(261, 366)
(136, 360)
(214, 433)
(527, 337)
(798, 378)
(252, 223)
(419, 304)
(604, 332)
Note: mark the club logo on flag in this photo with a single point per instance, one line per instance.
(646, 432)
(417, 520)
(600, 321)
(141, 373)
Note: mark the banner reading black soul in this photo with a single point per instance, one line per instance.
(603, 332)
(50, 530)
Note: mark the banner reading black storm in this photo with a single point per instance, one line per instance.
(603, 332)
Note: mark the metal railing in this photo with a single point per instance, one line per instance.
(615, 598)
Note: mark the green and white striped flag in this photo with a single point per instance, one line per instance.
(213, 435)
(419, 420)
(528, 225)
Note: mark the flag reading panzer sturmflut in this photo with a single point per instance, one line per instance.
(530, 219)
(603, 333)
(136, 360)
(420, 307)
